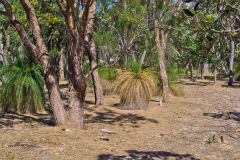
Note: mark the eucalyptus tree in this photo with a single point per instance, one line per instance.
(37, 49)
(121, 29)
(165, 18)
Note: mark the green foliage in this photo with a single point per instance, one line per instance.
(134, 65)
(23, 89)
(211, 139)
(107, 73)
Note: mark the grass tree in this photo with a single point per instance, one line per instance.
(135, 87)
(23, 89)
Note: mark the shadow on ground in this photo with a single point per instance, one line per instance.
(141, 155)
(9, 119)
(109, 116)
(199, 83)
(226, 115)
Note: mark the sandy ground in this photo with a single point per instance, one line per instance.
(177, 130)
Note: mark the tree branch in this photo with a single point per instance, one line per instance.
(3, 13)
(93, 69)
(225, 31)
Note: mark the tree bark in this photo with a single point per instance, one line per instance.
(161, 45)
(61, 65)
(202, 71)
(231, 60)
(191, 71)
(215, 76)
(98, 90)
(40, 52)
(75, 45)
(6, 46)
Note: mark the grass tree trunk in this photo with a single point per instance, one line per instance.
(40, 52)
(98, 90)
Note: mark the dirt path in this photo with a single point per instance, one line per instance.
(178, 130)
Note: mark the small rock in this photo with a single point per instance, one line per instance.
(67, 130)
(75, 147)
(61, 149)
(128, 157)
(104, 139)
(107, 131)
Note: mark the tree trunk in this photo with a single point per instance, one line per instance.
(143, 57)
(191, 70)
(77, 82)
(215, 76)
(6, 46)
(53, 90)
(187, 68)
(196, 77)
(161, 45)
(163, 75)
(231, 60)
(98, 90)
(61, 65)
(202, 71)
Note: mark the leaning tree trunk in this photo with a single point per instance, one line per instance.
(53, 90)
(40, 52)
(98, 90)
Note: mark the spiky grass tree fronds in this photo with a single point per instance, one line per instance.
(23, 89)
(135, 89)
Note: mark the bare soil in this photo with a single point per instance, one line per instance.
(177, 130)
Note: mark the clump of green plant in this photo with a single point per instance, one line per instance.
(23, 88)
(135, 87)
(173, 76)
(211, 139)
(107, 73)
(237, 72)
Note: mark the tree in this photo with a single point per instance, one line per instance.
(76, 17)
(92, 54)
(40, 52)
(164, 19)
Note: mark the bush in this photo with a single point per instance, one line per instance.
(23, 89)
